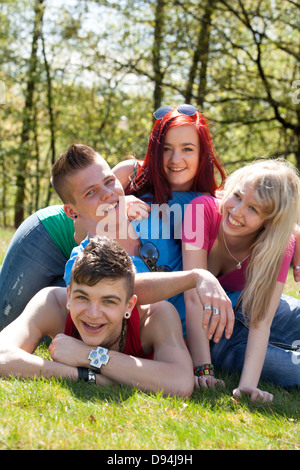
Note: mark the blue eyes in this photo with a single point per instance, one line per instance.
(95, 190)
(83, 298)
(238, 197)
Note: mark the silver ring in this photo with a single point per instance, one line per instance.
(215, 311)
(296, 267)
(207, 307)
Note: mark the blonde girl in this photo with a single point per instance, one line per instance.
(248, 245)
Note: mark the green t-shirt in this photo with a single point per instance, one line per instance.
(60, 228)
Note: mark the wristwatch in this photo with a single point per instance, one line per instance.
(98, 357)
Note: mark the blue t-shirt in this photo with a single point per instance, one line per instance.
(163, 228)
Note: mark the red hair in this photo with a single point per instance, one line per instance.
(151, 177)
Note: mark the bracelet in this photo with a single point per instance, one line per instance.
(86, 375)
(204, 369)
(83, 374)
(98, 357)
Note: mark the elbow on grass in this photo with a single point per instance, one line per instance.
(183, 388)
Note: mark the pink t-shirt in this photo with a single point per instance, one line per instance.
(200, 228)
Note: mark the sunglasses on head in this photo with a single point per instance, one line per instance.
(186, 109)
(150, 254)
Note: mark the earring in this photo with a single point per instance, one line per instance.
(127, 315)
(75, 216)
(68, 305)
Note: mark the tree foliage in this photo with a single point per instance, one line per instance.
(94, 72)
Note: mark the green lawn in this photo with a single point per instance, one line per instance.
(54, 414)
(59, 415)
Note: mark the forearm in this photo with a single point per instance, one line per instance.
(198, 343)
(257, 344)
(19, 363)
(255, 355)
(163, 373)
(154, 287)
(148, 375)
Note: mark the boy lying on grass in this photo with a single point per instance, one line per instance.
(103, 335)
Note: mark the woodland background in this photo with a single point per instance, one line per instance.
(94, 72)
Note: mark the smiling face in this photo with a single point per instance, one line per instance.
(95, 192)
(181, 157)
(97, 311)
(242, 213)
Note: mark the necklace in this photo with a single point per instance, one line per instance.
(239, 263)
(122, 335)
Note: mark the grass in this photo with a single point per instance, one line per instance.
(5, 237)
(61, 415)
(57, 415)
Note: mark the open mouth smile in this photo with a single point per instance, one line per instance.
(111, 207)
(234, 222)
(177, 170)
(103, 208)
(92, 327)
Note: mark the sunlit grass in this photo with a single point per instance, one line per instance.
(55, 414)
(61, 415)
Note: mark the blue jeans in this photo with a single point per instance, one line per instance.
(31, 263)
(282, 362)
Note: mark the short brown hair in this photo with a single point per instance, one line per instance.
(103, 258)
(77, 157)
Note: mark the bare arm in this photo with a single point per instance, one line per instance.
(199, 329)
(257, 344)
(124, 171)
(202, 288)
(160, 329)
(171, 370)
(154, 287)
(44, 315)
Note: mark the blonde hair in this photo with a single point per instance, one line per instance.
(277, 187)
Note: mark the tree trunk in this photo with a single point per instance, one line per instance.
(51, 115)
(24, 151)
(156, 56)
(201, 55)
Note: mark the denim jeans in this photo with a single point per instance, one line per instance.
(282, 362)
(31, 263)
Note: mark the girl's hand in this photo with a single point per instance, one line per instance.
(136, 209)
(207, 381)
(254, 393)
(296, 272)
(218, 313)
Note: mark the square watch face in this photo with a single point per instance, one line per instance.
(93, 354)
(101, 350)
(104, 358)
(96, 363)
